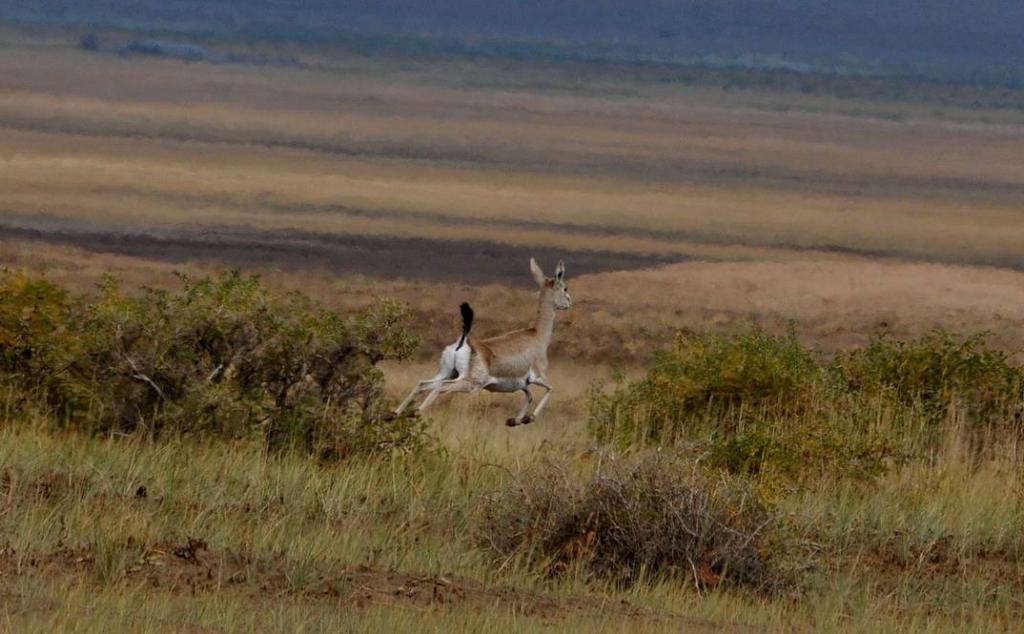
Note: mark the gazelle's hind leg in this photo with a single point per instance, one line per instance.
(521, 418)
(444, 372)
(454, 385)
(422, 386)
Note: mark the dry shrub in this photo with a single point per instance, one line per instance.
(653, 514)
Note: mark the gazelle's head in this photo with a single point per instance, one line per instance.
(556, 287)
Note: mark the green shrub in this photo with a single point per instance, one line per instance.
(35, 315)
(765, 405)
(934, 373)
(832, 439)
(221, 356)
(655, 514)
(708, 380)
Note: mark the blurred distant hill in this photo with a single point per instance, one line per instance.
(954, 40)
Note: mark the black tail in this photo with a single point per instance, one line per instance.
(467, 322)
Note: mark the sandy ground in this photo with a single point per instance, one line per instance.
(842, 302)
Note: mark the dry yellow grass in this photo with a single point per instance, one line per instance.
(835, 303)
(97, 534)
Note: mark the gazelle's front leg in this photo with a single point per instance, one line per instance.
(521, 418)
(543, 400)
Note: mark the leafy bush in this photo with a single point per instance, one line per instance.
(653, 514)
(934, 373)
(793, 453)
(757, 404)
(221, 356)
(34, 319)
(765, 405)
(708, 379)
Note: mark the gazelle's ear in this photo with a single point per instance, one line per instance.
(560, 270)
(538, 275)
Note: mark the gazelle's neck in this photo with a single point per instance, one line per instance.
(545, 316)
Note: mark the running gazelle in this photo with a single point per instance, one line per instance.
(507, 363)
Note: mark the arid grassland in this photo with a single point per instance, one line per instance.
(772, 408)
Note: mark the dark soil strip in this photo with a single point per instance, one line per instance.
(471, 262)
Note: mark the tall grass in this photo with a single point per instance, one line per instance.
(930, 545)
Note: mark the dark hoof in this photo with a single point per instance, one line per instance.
(511, 422)
(388, 417)
(527, 420)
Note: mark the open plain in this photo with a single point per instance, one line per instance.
(704, 206)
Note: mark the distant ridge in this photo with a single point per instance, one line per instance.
(951, 40)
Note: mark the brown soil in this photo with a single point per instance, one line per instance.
(192, 567)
